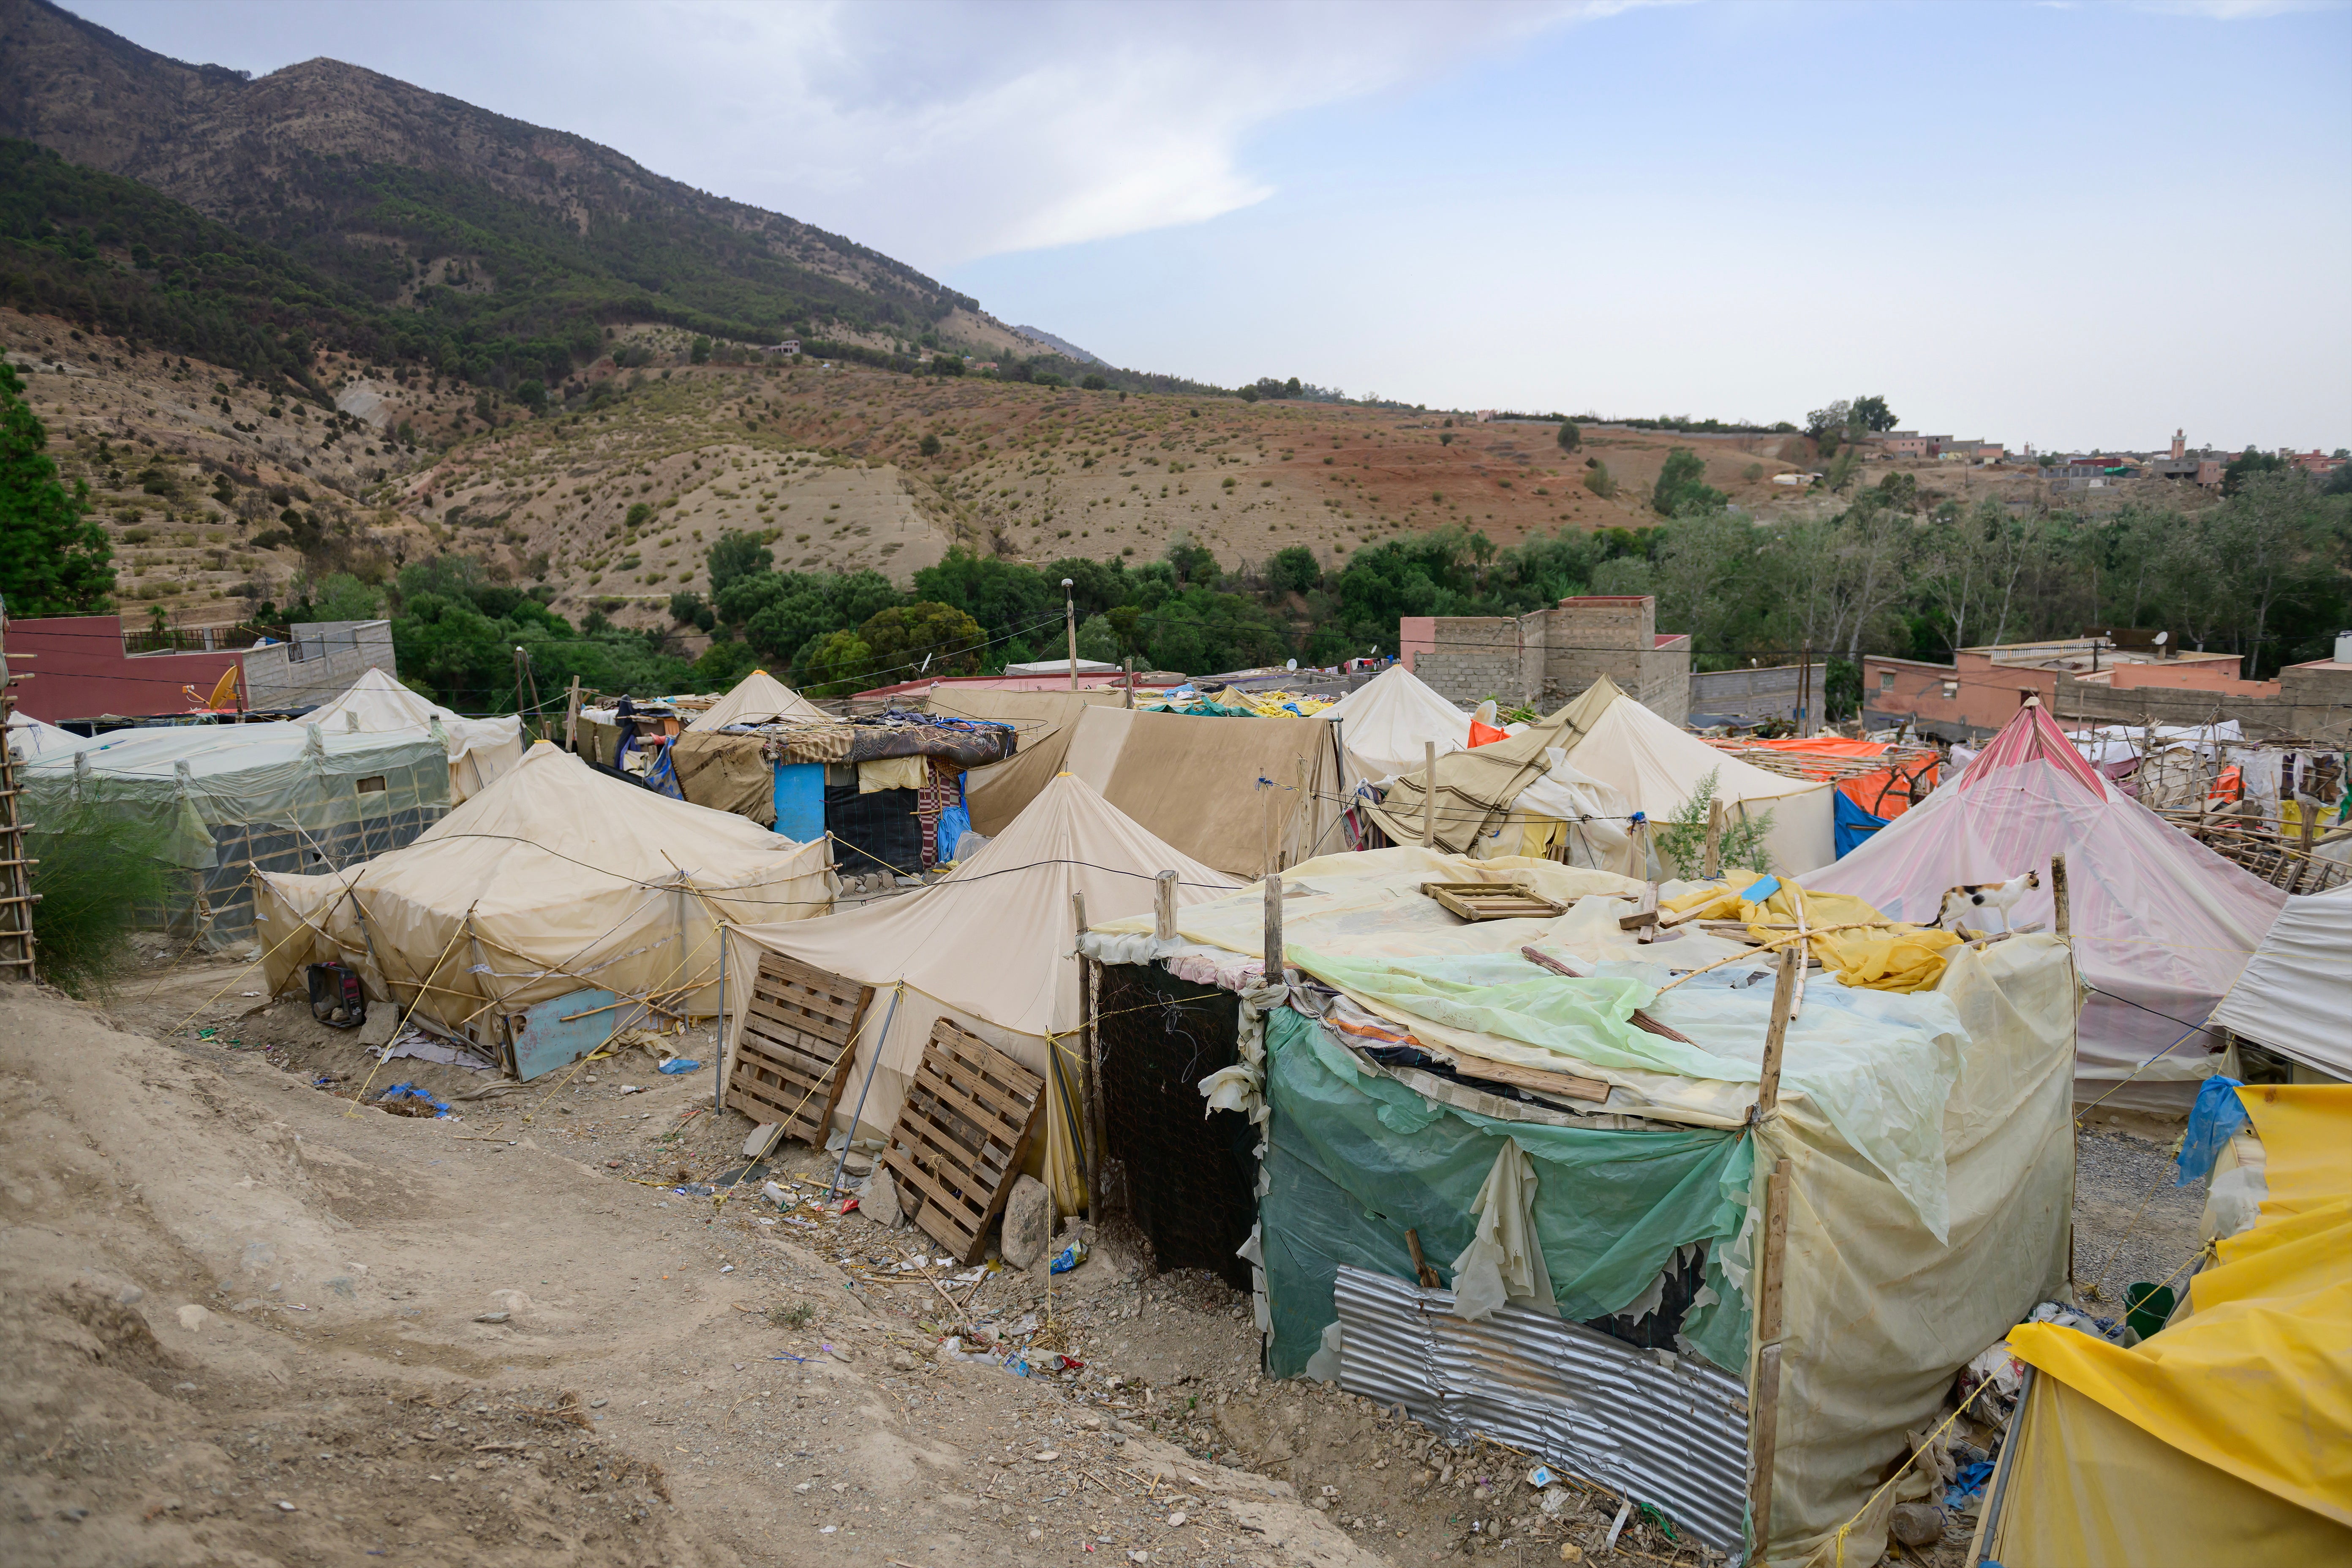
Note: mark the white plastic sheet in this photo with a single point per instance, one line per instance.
(2295, 994)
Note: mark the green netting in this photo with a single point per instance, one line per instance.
(1354, 1159)
(189, 783)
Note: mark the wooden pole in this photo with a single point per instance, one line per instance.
(1784, 996)
(1764, 1403)
(1713, 866)
(519, 709)
(1130, 680)
(1272, 950)
(1163, 906)
(1090, 1151)
(2306, 821)
(16, 897)
(572, 718)
(1428, 795)
(1070, 626)
(2058, 911)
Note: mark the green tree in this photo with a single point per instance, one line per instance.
(54, 561)
(1681, 485)
(1094, 384)
(700, 353)
(735, 555)
(923, 639)
(2246, 463)
(532, 395)
(835, 665)
(638, 515)
(1193, 562)
(928, 446)
(946, 365)
(1571, 438)
(340, 596)
(1871, 413)
(1294, 569)
(1098, 640)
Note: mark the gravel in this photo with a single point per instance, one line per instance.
(2131, 1222)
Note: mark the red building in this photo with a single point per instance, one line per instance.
(80, 667)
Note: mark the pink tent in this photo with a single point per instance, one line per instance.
(2162, 925)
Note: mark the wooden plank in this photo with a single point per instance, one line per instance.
(962, 1131)
(1776, 1034)
(1764, 1432)
(1566, 1085)
(793, 1044)
(1776, 1252)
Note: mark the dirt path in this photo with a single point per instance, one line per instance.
(248, 1322)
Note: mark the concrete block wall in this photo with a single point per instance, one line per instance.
(1472, 657)
(2307, 708)
(324, 658)
(1771, 693)
(1596, 634)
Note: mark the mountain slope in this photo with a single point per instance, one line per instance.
(417, 199)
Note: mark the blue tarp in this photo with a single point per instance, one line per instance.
(1854, 824)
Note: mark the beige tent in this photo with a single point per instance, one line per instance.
(1044, 721)
(375, 704)
(1386, 723)
(553, 881)
(1658, 767)
(990, 946)
(1245, 795)
(1518, 794)
(758, 698)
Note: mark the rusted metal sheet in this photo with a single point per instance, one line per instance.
(1664, 1430)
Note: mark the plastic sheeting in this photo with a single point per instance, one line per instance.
(553, 879)
(1043, 723)
(2295, 994)
(1879, 1066)
(1386, 724)
(1854, 824)
(1244, 799)
(2255, 1380)
(991, 945)
(1354, 1160)
(481, 750)
(2161, 925)
(190, 782)
(28, 738)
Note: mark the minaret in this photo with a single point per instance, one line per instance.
(2179, 447)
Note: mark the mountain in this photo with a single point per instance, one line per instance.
(483, 224)
(1062, 345)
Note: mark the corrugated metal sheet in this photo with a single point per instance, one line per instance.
(1666, 1431)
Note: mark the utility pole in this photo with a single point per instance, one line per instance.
(1070, 626)
(519, 708)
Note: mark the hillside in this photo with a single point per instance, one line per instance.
(418, 200)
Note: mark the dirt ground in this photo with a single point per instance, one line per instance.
(249, 1321)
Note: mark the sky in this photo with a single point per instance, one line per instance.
(2069, 224)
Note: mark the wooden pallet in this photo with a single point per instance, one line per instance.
(1493, 900)
(793, 1055)
(961, 1138)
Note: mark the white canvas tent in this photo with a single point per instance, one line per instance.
(2161, 925)
(1658, 767)
(481, 750)
(992, 946)
(2295, 995)
(28, 738)
(1385, 724)
(553, 880)
(758, 698)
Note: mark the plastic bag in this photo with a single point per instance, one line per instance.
(2211, 1121)
(676, 1065)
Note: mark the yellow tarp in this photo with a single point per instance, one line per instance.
(1889, 955)
(2256, 1380)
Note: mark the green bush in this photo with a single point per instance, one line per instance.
(1682, 842)
(97, 868)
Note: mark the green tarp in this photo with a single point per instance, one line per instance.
(1354, 1160)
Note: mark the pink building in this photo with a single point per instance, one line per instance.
(1983, 687)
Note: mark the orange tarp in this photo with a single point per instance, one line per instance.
(1882, 793)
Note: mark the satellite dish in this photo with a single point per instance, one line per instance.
(2163, 638)
(1292, 665)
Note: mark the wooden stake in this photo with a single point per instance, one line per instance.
(1712, 867)
(572, 718)
(1163, 906)
(1804, 949)
(2306, 821)
(1130, 680)
(1763, 1423)
(1090, 1152)
(1784, 996)
(1274, 963)
(2058, 911)
(1428, 795)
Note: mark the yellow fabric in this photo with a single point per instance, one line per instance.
(2086, 1489)
(1538, 835)
(2257, 1379)
(893, 773)
(1893, 957)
